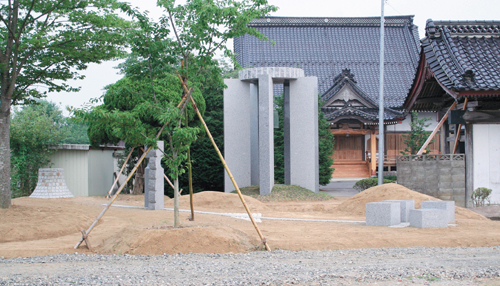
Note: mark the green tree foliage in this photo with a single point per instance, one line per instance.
(208, 171)
(417, 137)
(325, 141)
(45, 43)
(182, 43)
(34, 128)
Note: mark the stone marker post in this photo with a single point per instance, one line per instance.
(153, 180)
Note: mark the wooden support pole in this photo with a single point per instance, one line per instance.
(85, 235)
(373, 152)
(262, 238)
(121, 171)
(457, 132)
(428, 141)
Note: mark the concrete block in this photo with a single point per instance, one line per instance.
(428, 218)
(383, 213)
(153, 179)
(448, 206)
(405, 206)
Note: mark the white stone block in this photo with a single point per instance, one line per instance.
(406, 206)
(448, 206)
(383, 213)
(428, 218)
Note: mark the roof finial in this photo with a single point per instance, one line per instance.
(430, 29)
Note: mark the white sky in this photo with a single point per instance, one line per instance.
(98, 76)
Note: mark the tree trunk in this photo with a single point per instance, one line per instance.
(5, 192)
(176, 203)
(139, 180)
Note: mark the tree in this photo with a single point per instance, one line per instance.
(45, 43)
(417, 136)
(208, 172)
(326, 143)
(34, 129)
(325, 150)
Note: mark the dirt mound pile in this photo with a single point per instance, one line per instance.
(392, 191)
(218, 202)
(33, 219)
(204, 239)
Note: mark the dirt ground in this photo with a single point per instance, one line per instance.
(34, 227)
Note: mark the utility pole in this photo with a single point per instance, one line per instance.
(381, 103)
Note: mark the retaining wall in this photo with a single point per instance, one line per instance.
(440, 176)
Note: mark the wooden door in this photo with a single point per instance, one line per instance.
(348, 148)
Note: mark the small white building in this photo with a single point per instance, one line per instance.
(88, 171)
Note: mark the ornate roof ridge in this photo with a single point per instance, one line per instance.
(462, 27)
(331, 21)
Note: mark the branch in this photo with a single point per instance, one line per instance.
(176, 34)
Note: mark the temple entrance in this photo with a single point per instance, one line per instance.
(348, 157)
(348, 148)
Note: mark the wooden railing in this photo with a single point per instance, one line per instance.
(389, 160)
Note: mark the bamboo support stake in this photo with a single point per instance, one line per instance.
(84, 237)
(113, 199)
(428, 141)
(190, 177)
(263, 239)
(121, 171)
(190, 172)
(457, 133)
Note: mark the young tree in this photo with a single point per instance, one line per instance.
(417, 136)
(34, 129)
(44, 43)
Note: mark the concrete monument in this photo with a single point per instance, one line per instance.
(249, 134)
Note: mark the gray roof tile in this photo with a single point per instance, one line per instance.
(323, 47)
(464, 55)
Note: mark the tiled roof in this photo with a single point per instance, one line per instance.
(323, 47)
(367, 112)
(464, 55)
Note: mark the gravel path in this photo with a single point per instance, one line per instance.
(394, 266)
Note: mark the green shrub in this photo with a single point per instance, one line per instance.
(364, 184)
(480, 196)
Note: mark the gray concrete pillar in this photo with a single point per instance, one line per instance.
(237, 152)
(254, 132)
(266, 134)
(303, 156)
(286, 131)
(154, 183)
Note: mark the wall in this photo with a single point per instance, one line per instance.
(486, 163)
(100, 172)
(440, 176)
(75, 165)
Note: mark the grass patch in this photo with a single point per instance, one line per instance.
(285, 193)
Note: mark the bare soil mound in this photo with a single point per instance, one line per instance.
(30, 219)
(199, 239)
(218, 202)
(392, 191)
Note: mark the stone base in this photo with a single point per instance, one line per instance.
(428, 218)
(51, 184)
(406, 206)
(448, 206)
(383, 213)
